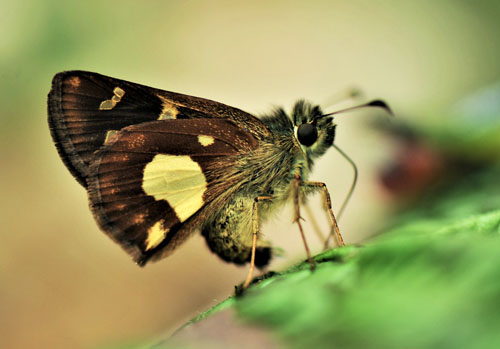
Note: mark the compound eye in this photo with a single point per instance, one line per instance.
(307, 134)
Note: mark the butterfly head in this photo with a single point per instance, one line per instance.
(314, 131)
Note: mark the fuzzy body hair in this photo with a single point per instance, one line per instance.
(266, 171)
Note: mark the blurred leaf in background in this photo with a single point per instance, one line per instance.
(436, 288)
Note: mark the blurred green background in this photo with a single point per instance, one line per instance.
(62, 282)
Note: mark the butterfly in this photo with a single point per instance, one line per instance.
(159, 165)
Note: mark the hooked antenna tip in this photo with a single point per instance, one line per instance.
(381, 104)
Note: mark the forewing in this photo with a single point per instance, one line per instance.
(85, 109)
(151, 179)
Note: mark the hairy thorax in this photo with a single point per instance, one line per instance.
(268, 173)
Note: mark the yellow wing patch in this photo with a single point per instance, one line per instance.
(169, 111)
(109, 104)
(156, 234)
(178, 180)
(109, 134)
(206, 140)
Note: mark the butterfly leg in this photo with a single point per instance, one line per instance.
(255, 233)
(328, 205)
(297, 183)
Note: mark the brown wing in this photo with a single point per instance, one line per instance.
(84, 108)
(150, 180)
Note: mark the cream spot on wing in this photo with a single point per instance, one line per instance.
(178, 180)
(119, 92)
(206, 140)
(109, 134)
(109, 104)
(169, 111)
(156, 234)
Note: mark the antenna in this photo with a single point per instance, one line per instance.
(378, 103)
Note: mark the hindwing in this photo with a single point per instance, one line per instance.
(150, 181)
